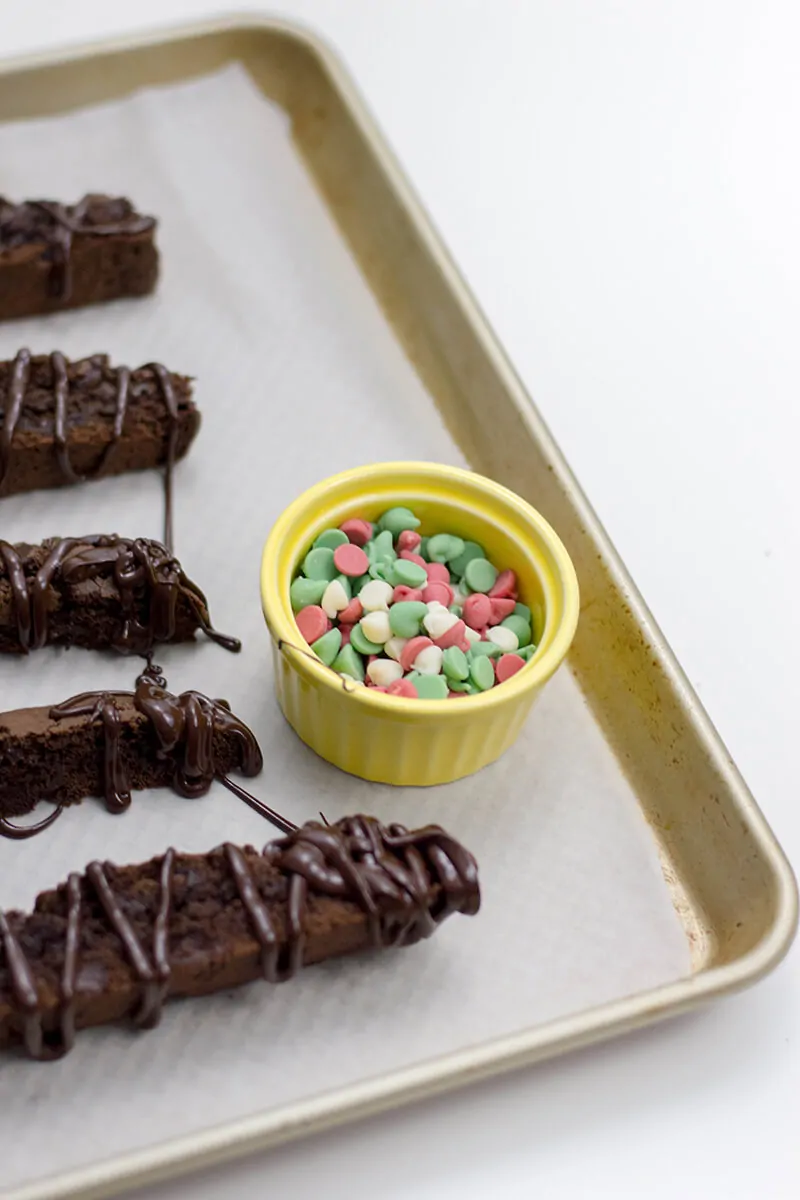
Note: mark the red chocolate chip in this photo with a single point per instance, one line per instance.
(353, 613)
(357, 531)
(508, 665)
(409, 539)
(437, 573)
(312, 622)
(345, 631)
(477, 610)
(502, 607)
(454, 636)
(505, 585)
(350, 560)
(402, 592)
(412, 648)
(402, 687)
(438, 591)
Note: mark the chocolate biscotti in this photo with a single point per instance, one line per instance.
(100, 592)
(64, 422)
(109, 743)
(55, 256)
(117, 942)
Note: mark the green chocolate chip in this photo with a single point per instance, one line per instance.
(382, 548)
(456, 610)
(444, 546)
(360, 642)
(409, 573)
(347, 662)
(520, 627)
(358, 584)
(480, 574)
(461, 685)
(383, 571)
(347, 585)
(481, 672)
(328, 646)
(422, 549)
(526, 652)
(306, 591)
(522, 610)
(429, 687)
(454, 663)
(395, 520)
(483, 650)
(319, 564)
(329, 539)
(458, 565)
(405, 617)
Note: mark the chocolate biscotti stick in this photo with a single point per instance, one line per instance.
(101, 592)
(108, 743)
(64, 422)
(117, 942)
(55, 256)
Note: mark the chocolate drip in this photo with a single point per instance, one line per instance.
(20, 373)
(168, 393)
(136, 565)
(57, 224)
(153, 976)
(184, 727)
(21, 833)
(23, 987)
(20, 376)
(258, 806)
(406, 883)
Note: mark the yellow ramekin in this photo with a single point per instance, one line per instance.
(388, 739)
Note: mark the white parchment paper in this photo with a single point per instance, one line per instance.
(298, 376)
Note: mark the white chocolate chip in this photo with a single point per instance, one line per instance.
(383, 671)
(459, 598)
(376, 595)
(432, 604)
(505, 638)
(438, 621)
(352, 679)
(334, 598)
(376, 627)
(394, 647)
(471, 635)
(429, 660)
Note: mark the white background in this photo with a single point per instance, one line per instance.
(619, 181)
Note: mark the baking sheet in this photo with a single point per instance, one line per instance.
(298, 376)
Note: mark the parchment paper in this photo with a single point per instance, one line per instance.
(298, 376)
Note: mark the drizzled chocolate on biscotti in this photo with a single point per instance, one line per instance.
(116, 942)
(100, 592)
(55, 256)
(109, 743)
(63, 422)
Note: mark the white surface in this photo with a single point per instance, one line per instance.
(238, 306)
(619, 183)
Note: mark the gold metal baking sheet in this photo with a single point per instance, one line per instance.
(731, 885)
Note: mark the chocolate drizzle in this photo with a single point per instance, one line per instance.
(56, 225)
(406, 883)
(15, 401)
(152, 974)
(138, 566)
(21, 833)
(184, 727)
